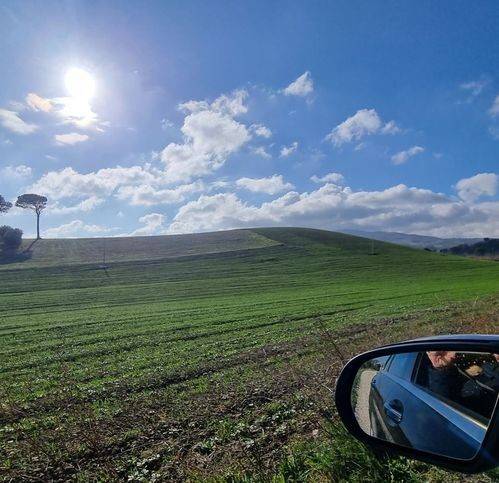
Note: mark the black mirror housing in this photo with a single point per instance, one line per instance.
(487, 456)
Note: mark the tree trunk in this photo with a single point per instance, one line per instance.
(38, 226)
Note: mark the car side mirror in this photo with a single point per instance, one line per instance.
(433, 399)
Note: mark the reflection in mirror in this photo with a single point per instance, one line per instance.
(440, 402)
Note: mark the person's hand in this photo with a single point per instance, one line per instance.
(474, 371)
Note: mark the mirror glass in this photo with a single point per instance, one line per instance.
(440, 402)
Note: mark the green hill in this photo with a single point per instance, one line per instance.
(59, 251)
(175, 319)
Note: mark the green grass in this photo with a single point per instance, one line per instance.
(48, 252)
(170, 310)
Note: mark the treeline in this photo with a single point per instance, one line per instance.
(486, 248)
(11, 238)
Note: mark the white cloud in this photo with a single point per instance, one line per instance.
(335, 178)
(16, 172)
(218, 185)
(68, 183)
(38, 103)
(211, 135)
(232, 105)
(303, 86)
(390, 128)
(10, 120)
(474, 88)
(482, 184)
(137, 185)
(288, 150)
(86, 205)
(153, 224)
(270, 185)
(260, 151)
(70, 138)
(261, 130)
(166, 124)
(76, 228)
(70, 110)
(403, 156)
(494, 132)
(363, 123)
(494, 109)
(398, 208)
(147, 195)
(214, 212)
(77, 112)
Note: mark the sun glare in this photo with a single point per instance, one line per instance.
(80, 84)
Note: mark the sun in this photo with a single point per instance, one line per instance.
(80, 84)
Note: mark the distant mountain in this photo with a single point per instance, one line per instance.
(415, 241)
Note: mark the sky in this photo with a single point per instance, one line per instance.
(148, 118)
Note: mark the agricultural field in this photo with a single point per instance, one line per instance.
(212, 356)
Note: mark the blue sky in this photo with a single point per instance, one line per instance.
(195, 116)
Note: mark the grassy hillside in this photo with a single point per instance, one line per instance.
(58, 251)
(101, 368)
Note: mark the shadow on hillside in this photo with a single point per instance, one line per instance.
(8, 258)
(30, 246)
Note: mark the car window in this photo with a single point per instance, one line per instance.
(401, 365)
(462, 384)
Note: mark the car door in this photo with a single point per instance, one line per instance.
(407, 413)
(389, 398)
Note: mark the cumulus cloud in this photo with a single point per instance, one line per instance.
(70, 138)
(153, 224)
(303, 86)
(494, 109)
(69, 110)
(38, 103)
(147, 195)
(261, 130)
(68, 183)
(335, 178)
(270, 185)
(18, 172)
(363, 123)
(288, 150)
(260, 151)
(482, 184)
(398, 208)
(77, 112)
(76, 228)
(211, 135)
(403, 156)
(166, 124)
(12, 121)
(390, 128)
(137, 185)
(86, 205)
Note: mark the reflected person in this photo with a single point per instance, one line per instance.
(444, 378)
(477, 392)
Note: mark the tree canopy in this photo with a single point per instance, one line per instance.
(4, 205)
(10, 239)
(32, 202)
